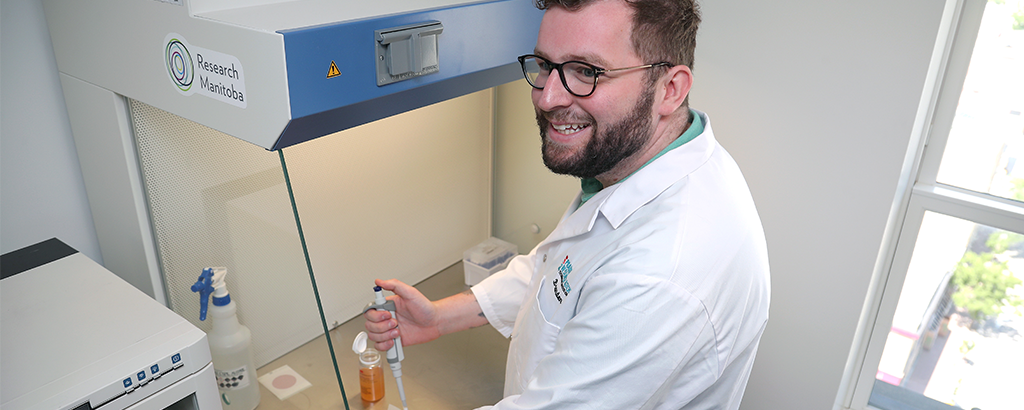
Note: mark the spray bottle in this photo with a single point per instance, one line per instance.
(229, 343)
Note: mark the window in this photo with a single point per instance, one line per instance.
(984, 151)
(952, 338)
(943, 325)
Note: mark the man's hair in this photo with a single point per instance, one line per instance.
(663, 30)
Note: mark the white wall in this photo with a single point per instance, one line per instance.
(42, 194)
(816, 101)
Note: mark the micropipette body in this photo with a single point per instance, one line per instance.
(395, 354)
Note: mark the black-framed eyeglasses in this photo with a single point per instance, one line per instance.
(579, 78)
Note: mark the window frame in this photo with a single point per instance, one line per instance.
(918, 193)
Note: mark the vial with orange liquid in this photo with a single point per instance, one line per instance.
(371, 374)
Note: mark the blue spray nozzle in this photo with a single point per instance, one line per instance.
(205, 287)
(377, 289)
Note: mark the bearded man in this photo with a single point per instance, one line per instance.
(653, 290)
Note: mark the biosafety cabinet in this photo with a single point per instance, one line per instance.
(309, 146)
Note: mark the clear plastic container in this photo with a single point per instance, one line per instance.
(486, 258)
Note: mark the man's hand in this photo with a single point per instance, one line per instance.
(421, 320)
(418, 316)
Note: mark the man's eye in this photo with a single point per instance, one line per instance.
(583, 71)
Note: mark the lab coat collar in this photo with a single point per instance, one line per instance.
(620, 200)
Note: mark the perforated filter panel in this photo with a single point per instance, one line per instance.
(218, 201)
(397, 198)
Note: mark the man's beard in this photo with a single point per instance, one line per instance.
(606, 148)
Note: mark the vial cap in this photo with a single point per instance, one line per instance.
(359, 344)
(367, 354)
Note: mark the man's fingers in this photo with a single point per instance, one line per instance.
(386, 284)
(384, 346)
(377, 315)
(399, 288)
(405, 291)
(380, 327)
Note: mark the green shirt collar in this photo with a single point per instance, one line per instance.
(591, 186)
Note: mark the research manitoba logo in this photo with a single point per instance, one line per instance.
(179, 64)
(196, 70)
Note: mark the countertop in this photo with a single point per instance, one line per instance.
(464, 370)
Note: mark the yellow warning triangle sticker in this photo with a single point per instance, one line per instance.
(333, 72)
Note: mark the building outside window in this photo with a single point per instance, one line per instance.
(943, 325)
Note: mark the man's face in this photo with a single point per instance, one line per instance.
(588, 136)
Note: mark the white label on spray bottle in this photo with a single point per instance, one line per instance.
(232, 379)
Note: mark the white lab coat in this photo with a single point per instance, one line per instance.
(653, 294)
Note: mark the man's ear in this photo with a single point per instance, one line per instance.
(677, 83)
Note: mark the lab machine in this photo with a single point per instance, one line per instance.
(77, 337)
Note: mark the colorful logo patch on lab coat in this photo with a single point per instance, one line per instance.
(563, 271)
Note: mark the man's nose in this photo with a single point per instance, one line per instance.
(554, 95)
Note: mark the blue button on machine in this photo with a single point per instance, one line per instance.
(141, 375)
(154, 369)
(127, 382)
(176, 358)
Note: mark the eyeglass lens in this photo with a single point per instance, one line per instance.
(578, 78)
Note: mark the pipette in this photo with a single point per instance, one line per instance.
(395, 354)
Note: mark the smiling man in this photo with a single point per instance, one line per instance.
(653, 290)
(606, 134)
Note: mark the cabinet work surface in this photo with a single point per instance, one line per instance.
(464, 370)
